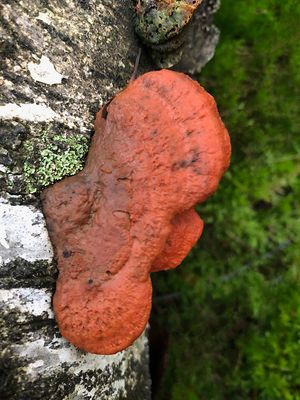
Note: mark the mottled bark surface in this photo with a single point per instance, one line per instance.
(60, 61)
(89, 48)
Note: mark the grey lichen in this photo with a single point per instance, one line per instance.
(49, 158)
(157, 21)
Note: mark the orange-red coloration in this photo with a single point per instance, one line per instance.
(186, 230)
(160, 147)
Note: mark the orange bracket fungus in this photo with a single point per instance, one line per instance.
(159, 148)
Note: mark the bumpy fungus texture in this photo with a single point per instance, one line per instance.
(159, 148)
(157, 21)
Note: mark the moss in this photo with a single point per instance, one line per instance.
(49, 158)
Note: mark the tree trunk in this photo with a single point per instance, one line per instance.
(61, 60)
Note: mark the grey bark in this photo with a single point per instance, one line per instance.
(60, 61)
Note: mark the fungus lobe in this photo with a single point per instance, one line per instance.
(159, 148)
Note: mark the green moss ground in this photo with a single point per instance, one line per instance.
(234, 326)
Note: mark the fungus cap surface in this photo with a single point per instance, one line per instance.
(159, 148)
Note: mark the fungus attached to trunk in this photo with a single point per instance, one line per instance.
(159, 148)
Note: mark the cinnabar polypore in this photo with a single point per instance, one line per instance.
(159, 148)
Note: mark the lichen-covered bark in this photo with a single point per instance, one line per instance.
(172, 39)
(91, 46)
(60, 61)
(201, 38)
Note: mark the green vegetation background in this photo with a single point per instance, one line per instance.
(233, 317)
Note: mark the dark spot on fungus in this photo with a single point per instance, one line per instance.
(120, 232)
(67, 253)
(147, 83)
(185, 163)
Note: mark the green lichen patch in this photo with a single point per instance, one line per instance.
(159, 21)
(49, 158)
